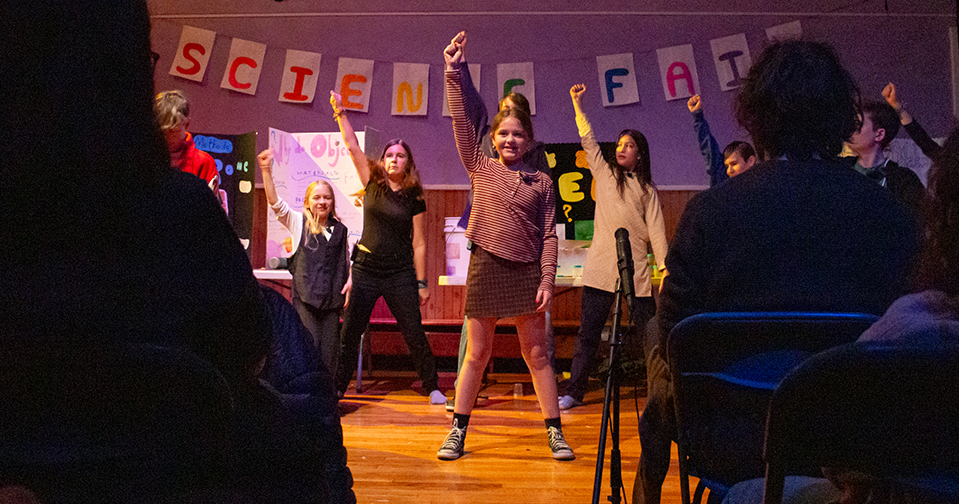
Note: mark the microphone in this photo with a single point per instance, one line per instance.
(624, 261)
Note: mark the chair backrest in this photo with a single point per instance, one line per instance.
(724, 367)
(886, 410)
(104, 420)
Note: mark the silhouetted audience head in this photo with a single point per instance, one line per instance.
(79, 137)
(939, 268)
(81, 151)
(799, 102)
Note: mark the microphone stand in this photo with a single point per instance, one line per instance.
(611, 398)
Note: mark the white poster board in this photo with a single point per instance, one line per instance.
(300, 159)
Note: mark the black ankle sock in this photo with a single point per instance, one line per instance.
(461, 421)
(554, 422)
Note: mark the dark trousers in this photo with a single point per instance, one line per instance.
(324, 326)
(594, 311)
(657, 425)
(401, 293)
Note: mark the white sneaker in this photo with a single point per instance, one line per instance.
(566, 402)
(437, 397)
(452, 448)
(558, 445)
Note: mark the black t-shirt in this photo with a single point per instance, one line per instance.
(388, 225)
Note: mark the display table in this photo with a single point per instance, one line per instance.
(272, 274)
(561, 281)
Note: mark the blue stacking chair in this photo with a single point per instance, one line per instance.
(724, 368)
(888, 411)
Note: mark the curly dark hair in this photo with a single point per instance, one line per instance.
(939, 266)
(799, 101)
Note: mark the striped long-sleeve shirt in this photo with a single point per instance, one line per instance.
(514, 208)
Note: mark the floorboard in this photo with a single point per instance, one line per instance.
(392, 434)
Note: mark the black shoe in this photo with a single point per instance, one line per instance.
(558, 445)
(452, 448)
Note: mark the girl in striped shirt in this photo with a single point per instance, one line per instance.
(513, 264)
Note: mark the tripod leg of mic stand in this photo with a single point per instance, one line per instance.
(604, 425)
(611, 397)
(615, 457)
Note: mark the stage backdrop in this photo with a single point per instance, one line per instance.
(235, 157)
(298, 160)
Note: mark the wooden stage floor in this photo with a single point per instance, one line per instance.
(392, 434)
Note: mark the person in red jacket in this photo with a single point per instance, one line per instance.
(173, 113)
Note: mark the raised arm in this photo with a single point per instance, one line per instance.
(292, 221)
(928, 146)
(360, 161)
(713, 157)
(265, 159)
(464, 131)
(475, 109)
(594, 155)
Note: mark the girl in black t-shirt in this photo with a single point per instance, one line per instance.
(390, 258)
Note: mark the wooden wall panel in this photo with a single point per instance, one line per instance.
(673, 203)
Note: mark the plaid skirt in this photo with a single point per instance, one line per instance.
(500, 288)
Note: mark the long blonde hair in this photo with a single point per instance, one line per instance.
(315, 226)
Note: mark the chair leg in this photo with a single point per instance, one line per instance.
(683, 473)
(773, 489)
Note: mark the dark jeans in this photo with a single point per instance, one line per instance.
(402, 297)
(324, 326)
(657, 425)
(594, 311)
